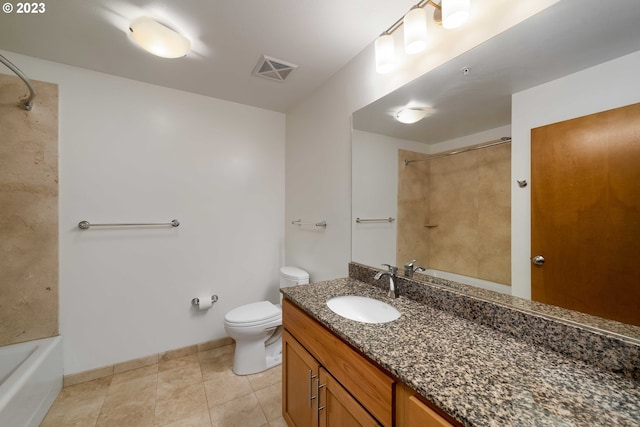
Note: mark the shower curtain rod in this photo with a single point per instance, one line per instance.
(27, 104)
(502, 140)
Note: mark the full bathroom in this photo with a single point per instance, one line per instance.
(206, 205)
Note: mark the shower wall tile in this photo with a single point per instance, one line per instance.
(467, 201)
(29, 213)
(494, 214)
(413, 208)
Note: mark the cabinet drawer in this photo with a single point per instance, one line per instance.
(364, 380)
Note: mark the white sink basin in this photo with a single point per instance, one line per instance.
(363, 309)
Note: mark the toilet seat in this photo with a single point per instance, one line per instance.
(257, 329)
(254, 314)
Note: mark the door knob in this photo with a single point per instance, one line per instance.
(537, 260)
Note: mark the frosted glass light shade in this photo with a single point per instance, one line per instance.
(454, 13)
(385, 54)
(412, 115)
(158, 39)
(415, 31)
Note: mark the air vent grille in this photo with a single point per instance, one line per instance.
(273, 69)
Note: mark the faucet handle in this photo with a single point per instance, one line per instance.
(391, 268)
(410, 263)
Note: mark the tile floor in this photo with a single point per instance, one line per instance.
(190, 391)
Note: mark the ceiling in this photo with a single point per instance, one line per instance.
(569, 36)
(228, 38)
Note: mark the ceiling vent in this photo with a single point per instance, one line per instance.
(273, 69)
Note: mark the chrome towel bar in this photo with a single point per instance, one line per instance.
(85, 225)
(299, 223)
(360, 220)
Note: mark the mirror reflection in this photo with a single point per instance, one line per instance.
(464, 216)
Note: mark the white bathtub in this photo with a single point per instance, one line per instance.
(30, 380)
(473, 281)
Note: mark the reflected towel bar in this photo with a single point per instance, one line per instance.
(299, 222)
(360, 220)
(85, 225)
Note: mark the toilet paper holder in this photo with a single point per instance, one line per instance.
(196, 301)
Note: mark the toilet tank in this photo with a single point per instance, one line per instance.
(291, 276)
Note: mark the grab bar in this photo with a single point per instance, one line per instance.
(27, 104)
(85, 225)
(360, 220)
(299, 223)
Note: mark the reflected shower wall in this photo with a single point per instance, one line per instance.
(28, 212)
(454, 213)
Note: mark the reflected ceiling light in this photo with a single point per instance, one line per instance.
(454, 13)
(451, 14)
(415, 30)
(413, 114)
(158, 39)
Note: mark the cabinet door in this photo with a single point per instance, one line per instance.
(420, 415)
(299, 384)
(338, 408)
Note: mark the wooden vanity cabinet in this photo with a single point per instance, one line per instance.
(353, 391)
(326, 383)
(411, 411)
(299, 382)
(339, 408)
(311, 397)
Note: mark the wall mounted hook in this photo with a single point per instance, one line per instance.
(522, 183)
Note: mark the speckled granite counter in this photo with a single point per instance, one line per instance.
(478, 375)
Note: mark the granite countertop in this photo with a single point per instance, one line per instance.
(480, 376)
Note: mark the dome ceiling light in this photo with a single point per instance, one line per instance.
(158, 39)
(411, 115)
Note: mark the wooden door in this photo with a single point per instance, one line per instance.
(299, 388)
(585, 214)
(338, 408)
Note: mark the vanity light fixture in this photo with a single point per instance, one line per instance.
(415, 30)
(450, 13)
(158, 39)
(385, 54)
(412, 114)
(454, 13)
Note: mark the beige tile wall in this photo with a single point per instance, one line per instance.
(28, 212)
(413, 208)
(467, 197)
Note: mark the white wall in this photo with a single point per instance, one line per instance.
(134, 152)
(603, 87)
(374, 178)
(318, 154)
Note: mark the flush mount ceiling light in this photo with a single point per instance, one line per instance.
(413, 114)
(158, 39)
(451, 14)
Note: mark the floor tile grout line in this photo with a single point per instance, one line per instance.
(155, 398)
(104, 399)
(206, 397)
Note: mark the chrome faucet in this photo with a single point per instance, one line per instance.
(409, 269)
(393, 289)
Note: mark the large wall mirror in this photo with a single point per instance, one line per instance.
(453, 211)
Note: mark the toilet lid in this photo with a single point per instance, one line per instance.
(294, 273)
(254, 312)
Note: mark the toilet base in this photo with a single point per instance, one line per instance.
(253, 357)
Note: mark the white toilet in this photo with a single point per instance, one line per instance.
(257, 329)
